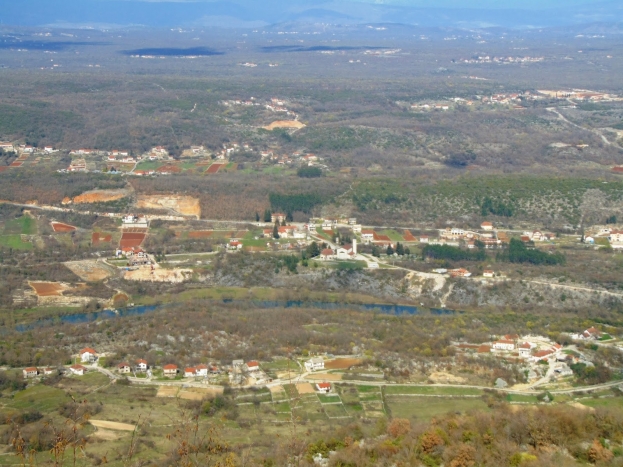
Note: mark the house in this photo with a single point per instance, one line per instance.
(235, 245)
(286, 231)
(537, 236)
(201, 370)
(323, 388)
(253, 366)
(78, 370)
(6, 146)
(504, 344)
(488, 273)
(48, 149)
(123, 368)
(367, 236)
(88, 355)
(616, 236)
(48, 371)
(30, 372)
(237, 363)
(591, 333)
(525, 349)
(170, 370)
(347, 251)
(314, 364)
(190, 372)
(486, 226)
(542, 355)
(327, 225)
(327, 254)
(277, 217)
(460, 273)
(423, 238)
(356, 228)
(141, 365)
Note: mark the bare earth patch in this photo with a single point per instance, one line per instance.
(305, 388)
(146, 274)
(90, 271)
(285, 124)
(167, 391)
(342, 363)
(106, 435)
(197, 394)
(48, 289)
(100, 196)
(112, 425)
(184, 205)
(445, 378)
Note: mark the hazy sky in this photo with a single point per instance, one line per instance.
(497, 4)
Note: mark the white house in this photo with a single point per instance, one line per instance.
(77, 370)
(30, 372)
(323, 387)
(141, 365)
(525, 349)
(170, 370)
(327, 225)
(488, 273)
(504, 345)
(327, 254)
(616, 236)
(486, 226)
(253, 366)
(123, 368)
(190, 372)
(314, 364)
(88, 355)
(347, 251)
(356, 228)
(201, 370)
(367, 236)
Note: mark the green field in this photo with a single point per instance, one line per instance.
(148, 165)
(15, 242)
(425, 408)
(24, 225)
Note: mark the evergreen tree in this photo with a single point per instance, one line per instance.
(283, 222)
(400, 249)
(313, 250)
(407, 251)
(257, 217)
(390, 250)
(276, 230)
(289, 217)
(376, 251)
(267, 215)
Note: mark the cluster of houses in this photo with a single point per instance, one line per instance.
(26, 148)
(274, 104)
(579, 94)
(614, 237)
(501, 60)
(537, 236)
(589, 334)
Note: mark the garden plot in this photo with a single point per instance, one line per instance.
(342, 363)
(62, 228)
(197, 394)
(167, 391)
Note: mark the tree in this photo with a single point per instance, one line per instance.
(276, 230)
(289, 217)
(400, 250)
(390, 250)
(257, 216)
(407, 251)
(376, 251)
(267, 215)
(309, 172)
(313, 250)
(283, 222)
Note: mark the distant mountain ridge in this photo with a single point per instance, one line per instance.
(244, 13)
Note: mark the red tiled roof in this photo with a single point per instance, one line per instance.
(190, 370)
(170, 366)
(122, 365)
(252, 363)
(326, 252)
(525, 345)
(201, 367)
(30, 369)
(87, 349)
(140, 360)
(324, 385)
(78, 367)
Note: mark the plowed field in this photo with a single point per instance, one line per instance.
(98, 237)
(129, 240)
(408, 236)
(214, 168)
(16, 164)
(60, 227)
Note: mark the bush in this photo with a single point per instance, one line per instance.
(309, 172)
